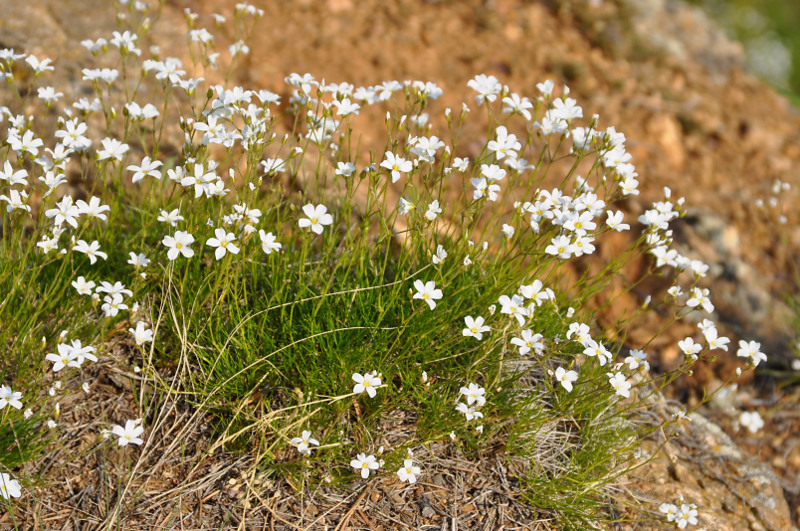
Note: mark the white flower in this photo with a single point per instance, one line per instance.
(138, 260)
(345, 169)
(484, 189)
(475, 327)
(514, 104)
(92, 209)
(536, 292)
(12, 176)
(566, 378)
(560, 246)
(614, 221)
(368, 382)
(689, 347)
(752, 421)
(596, 348)
(504, 145)
(113, 304)
(425, 148)
(9, 488)
(364, 463)
(460, 164)
(433, 210)
(345, 107)
(528, 341)
(469, 412)
(90, 250)
(141, 334)
(10, 398)
(565, 109)
(64, 211)
(170, 217)
(687, 514)
(112, 149)
(409, 472)
(130, 433)
(514, 306)
(82, 286)
(427, 292)
(636, 359)
(304, 442)
(670, 510)
(66, 357)
(316, 217)
(396, 165)
(620, 384)
(39, 66)
(699, 297)
(118, 288)
(581, 333)
(475, 394)
(268, 243)
(440, 255)
(223, 243)
(16, 200)
(751, 350)
(714, 340)
(487, 87)
(403, 208)
(179, 244)
(546, 88)
(147, 167)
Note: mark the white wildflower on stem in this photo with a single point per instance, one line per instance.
(364, 463)
(130, 434)
(427, 292)
(316, 217)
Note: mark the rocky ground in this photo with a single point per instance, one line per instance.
(696, 122)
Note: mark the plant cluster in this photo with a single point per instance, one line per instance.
(259, 270)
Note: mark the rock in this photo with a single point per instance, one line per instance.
(707, 468)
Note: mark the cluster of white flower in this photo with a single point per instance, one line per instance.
(476, 398)
(236, 118)
(682, 515)
(72, 355)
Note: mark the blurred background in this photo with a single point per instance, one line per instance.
(769, 31)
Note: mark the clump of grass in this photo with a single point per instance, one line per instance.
(334, 308)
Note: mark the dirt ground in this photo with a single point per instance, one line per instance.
(695, 121)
